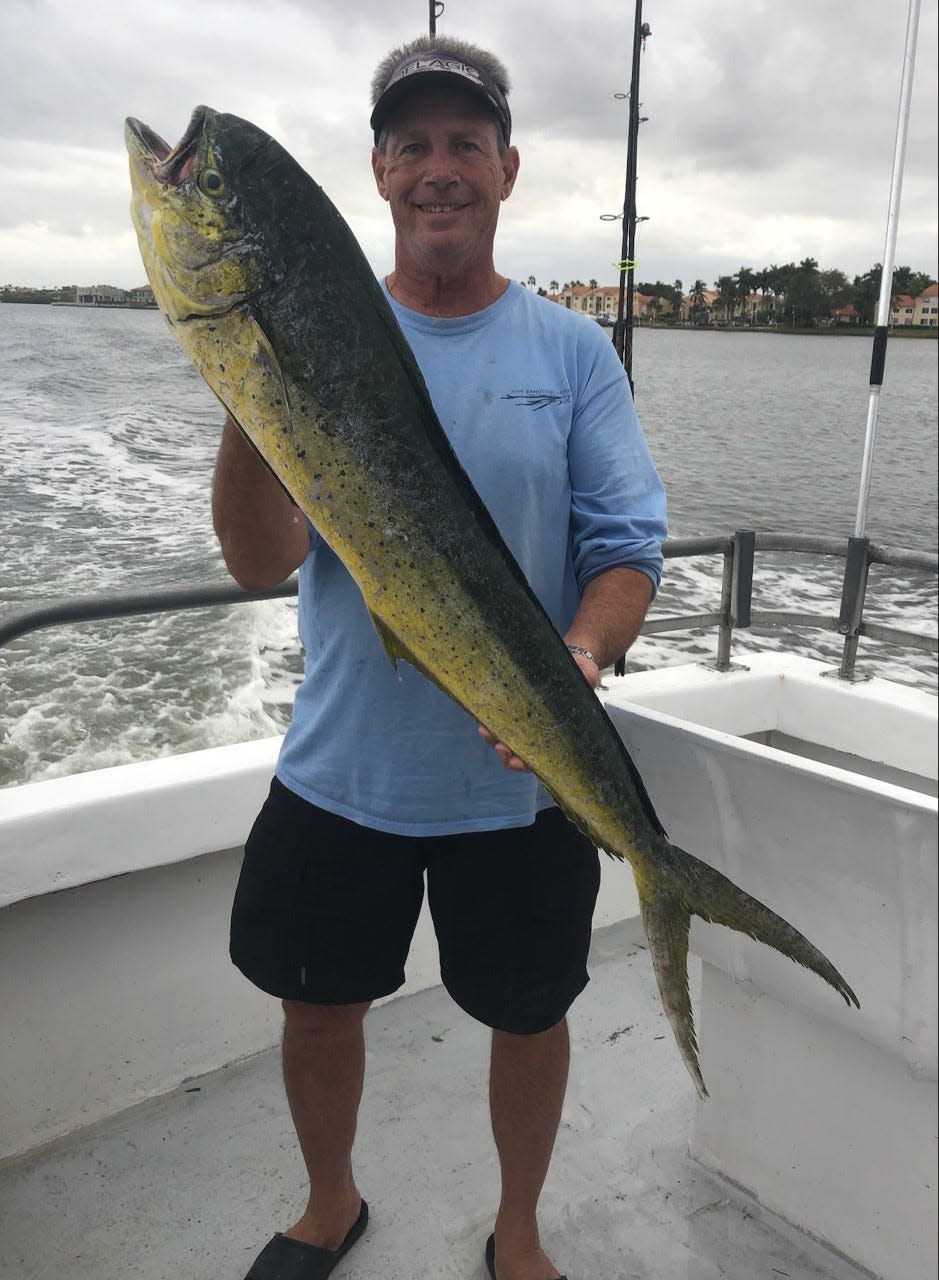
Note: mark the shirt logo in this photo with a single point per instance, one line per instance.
(538, 399)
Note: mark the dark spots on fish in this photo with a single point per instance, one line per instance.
(301, 453)
(221, 368)
(318, 475)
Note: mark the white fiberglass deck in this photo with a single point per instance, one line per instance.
(189, 1186)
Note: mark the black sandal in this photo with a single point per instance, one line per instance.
(491, 1258)
(285, 1259)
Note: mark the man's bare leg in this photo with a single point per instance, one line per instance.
(528, 1078)
(324, 1069)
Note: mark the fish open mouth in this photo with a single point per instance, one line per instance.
(169, 165)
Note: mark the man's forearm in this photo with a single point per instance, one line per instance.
(263, 536)
(611, 612)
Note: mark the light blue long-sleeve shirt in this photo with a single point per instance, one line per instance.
(538, 410)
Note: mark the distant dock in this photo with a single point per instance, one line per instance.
(112, 306)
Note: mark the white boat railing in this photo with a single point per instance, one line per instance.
(734, 613)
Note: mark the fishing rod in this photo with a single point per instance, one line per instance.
(623, 327)
(434, 9)
(879, 354)
(858, 556)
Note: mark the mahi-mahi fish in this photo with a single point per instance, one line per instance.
(265, 287)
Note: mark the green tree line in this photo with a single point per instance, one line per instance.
(798, 294)
(9, 294)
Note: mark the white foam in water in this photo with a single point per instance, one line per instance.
(107, 444)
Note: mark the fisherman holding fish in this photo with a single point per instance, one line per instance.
(381, 778)
(455, 467)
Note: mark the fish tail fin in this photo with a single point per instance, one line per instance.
(667, 921)
(705, 892)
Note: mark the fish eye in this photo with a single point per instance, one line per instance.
(211, 182)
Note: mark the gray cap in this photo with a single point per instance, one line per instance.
(438, 67)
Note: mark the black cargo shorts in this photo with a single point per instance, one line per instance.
(325, 910)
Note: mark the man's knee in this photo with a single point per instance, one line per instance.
(328, 1019)
(512, 1041)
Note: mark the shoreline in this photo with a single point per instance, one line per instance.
(81, 306)
(854, 331)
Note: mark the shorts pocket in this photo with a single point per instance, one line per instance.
(564, 871)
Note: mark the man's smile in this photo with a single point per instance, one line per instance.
(441, 208)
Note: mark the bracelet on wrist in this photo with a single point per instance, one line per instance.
(579, 648)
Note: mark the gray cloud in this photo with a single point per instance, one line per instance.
(770, 131)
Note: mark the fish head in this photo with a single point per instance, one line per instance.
(190, 213)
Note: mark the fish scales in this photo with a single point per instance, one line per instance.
(265, 287)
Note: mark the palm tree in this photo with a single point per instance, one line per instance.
(532, 282)
(699, 302)
(745, 280)
(553, 286)
(727, 294)
(776, 280)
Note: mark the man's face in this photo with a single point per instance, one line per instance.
(443, 176)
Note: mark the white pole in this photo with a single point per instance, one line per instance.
(886, 281)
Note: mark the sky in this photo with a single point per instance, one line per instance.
(769, 135)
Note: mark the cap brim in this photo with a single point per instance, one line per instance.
(395, 93)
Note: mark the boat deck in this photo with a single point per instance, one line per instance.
(190, 1185)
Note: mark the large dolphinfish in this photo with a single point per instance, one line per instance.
(265, 287)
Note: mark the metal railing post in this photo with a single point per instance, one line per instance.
(725, 631)
(853, 591)
(742, 586)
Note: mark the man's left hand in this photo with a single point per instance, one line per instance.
(591, 673)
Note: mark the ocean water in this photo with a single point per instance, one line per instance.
(107, 442)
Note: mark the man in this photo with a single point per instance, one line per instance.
(381, 780)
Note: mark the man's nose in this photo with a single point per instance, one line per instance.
(441, 169)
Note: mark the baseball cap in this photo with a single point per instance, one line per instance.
(431, 66)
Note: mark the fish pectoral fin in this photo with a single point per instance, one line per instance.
(262, 356)
(667, 922)
(265, 360)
